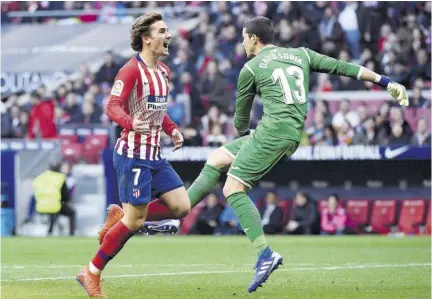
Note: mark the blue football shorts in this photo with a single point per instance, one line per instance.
(141, 180)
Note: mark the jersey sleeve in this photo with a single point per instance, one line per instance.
(325, 64)
(246, 90)
(122, 87)
(168, 126)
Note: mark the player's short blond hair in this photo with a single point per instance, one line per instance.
(141, 28)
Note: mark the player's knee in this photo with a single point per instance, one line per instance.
(134, 223)
(228, 190)
(182, 212)
(219, 159)
(139, 223)
(182, 209)
(233, 186)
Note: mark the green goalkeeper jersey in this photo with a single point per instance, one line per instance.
(280, 76)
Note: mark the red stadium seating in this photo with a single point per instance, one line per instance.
(91, 155)
(358, 211)
(188, 221)
(383, 216)
(96, 141)
(93, 144)
(428, 220)
(71, 152)
(411, 216)
(68, 138)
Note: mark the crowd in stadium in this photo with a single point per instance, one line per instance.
(304, 215)
(391, 39)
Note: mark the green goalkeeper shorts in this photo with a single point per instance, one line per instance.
(255, 155)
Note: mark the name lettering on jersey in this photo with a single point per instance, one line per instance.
(268, 58)
(157, 102)
(117, 88)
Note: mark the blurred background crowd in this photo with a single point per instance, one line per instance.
(391, 38)
(305, 215)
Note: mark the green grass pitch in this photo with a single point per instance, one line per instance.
(221, 267)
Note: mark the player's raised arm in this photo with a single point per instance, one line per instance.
(245, 96)
(325, 64)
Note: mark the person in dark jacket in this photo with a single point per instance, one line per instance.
(305, 220)
(108, 70)
(272, 215)
(208, 220)
(422, 138)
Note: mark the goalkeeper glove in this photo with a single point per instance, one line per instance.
(398, 92)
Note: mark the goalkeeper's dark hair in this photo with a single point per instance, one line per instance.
(141, 28)
(262, 27)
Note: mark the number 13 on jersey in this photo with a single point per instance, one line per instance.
(291, 81)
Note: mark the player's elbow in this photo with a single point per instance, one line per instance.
(110, 111)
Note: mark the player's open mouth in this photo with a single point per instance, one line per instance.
(165, 44)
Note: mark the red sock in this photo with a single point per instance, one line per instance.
(113, 242)
(157, 210)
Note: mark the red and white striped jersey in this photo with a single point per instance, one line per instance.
(139, 91)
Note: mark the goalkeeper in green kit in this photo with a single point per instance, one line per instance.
(280, 76)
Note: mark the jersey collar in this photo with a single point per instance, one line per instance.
(266, 47)
(140, 60)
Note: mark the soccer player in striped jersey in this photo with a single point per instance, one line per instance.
(138, 103)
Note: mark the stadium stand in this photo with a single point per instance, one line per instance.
(206, 58)
(358, 211)
(216, 44)
(383, 216)
(412, 216)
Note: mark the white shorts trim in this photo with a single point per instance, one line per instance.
(228, 152)
(240, 180)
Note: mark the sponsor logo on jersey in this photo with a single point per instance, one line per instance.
(157, 102)
(156, 106)
(157, 99)
(117, 88)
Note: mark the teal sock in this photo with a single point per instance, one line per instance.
(249, 218)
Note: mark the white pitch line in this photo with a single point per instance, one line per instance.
(117, 266)
(139, 265)
(353, 267)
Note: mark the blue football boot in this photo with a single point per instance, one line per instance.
(267, 262)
